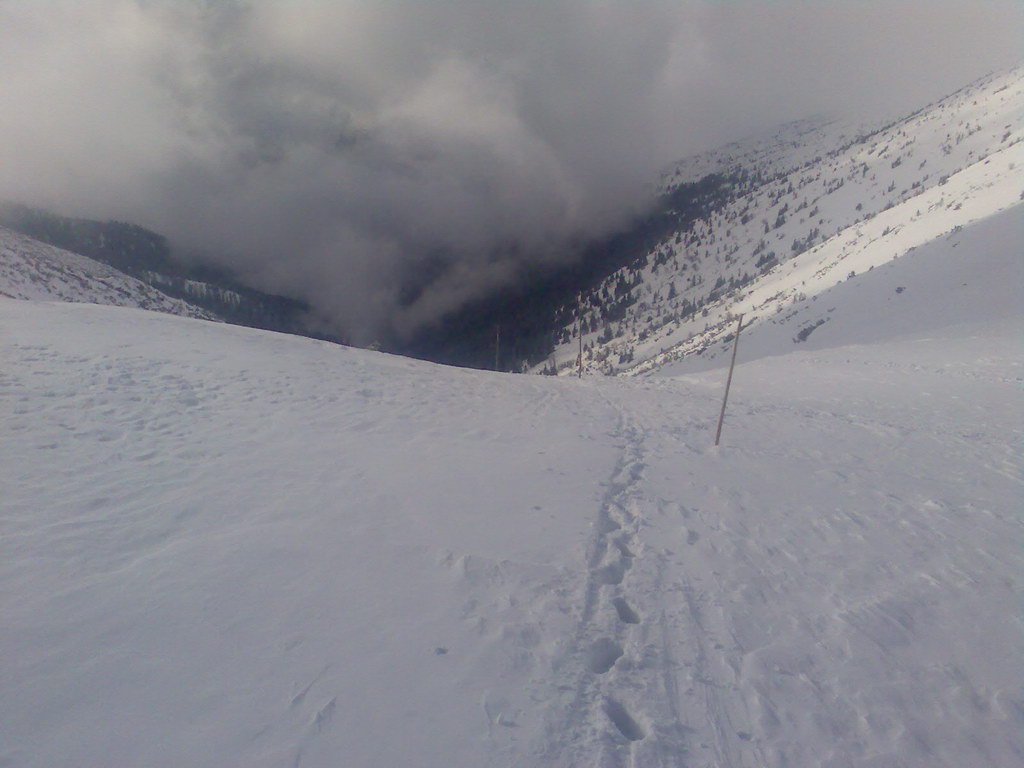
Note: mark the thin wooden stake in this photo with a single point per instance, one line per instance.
(579, 326)
(728, 381)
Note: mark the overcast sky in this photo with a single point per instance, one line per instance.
(340, 150)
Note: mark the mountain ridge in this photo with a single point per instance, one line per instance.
(728, 225)
(33, 270)
(149, 258)
(681, 294)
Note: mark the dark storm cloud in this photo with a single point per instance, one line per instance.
(391, 159)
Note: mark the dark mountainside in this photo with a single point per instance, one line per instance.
(528, 314)
(148, 257)
(531, 313)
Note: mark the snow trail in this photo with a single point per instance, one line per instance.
(227, 547)
(604, 665)
(821, 559)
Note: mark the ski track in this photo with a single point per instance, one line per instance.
(685, 692)
(624, 710)
(636, 701)
(601, 666)
(741, 565)
(695, 638)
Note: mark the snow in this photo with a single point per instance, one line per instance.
(204, 522)
(787, 148)
(972, 274)
(827, 200)
(30, 269)
(230, 547)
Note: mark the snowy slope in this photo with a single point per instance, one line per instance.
(30, 269)
(810, 305)
(225, 547)
(791, 146)
(816, 204)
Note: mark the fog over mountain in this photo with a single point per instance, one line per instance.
(389, 160)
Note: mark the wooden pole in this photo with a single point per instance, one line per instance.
(579, 327)
(497, 344)
(728, 381)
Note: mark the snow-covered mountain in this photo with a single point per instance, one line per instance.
(150, 259)
(814, 205)
(231, 547)
(30, 269)
(228, 547)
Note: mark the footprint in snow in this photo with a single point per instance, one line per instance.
(626, 614)
(622, 720)
(602, 655)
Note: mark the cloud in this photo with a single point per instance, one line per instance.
(390, 160)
